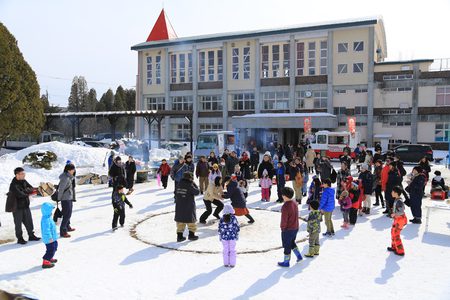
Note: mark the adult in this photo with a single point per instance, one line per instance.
(280, 151)
(347, 159)
(266, 164)
(288, 152)
(254, 159)
(361, 157)
(189, 163)
(202, 172)
(130, 170)
(377, 156)
(341, 178)
(213, 195)
(317, 162)
(392, 180)
(185, 209)
(296, 175)
(18, 202)
(272, 149)
(231, 162)
(305, 174)
(245, 165)
(325, 168)
(212, 159)
(377, 173)
(402, 171)
(225, 154)
(66, 195)
(310, 155)
(110, 163)
(223, 167)
(184, 150)
(145, 153)
(415, 190)
(301, 150)
(426, 169)
(117, 173)
(366, 180)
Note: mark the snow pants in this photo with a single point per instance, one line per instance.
(229, 252)
(397, 226)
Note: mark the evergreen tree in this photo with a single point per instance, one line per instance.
(21, 109)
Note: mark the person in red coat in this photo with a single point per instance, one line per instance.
(164, 171)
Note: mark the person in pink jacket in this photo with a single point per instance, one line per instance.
(265, 182)
(346, 203)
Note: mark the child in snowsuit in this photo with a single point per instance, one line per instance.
(399, 217)
(346, 203)
(265, 182)
(118, 201)
(289, 226)
(229, 234)
(327, 206)
(281, 180)
(49, 235)
(313, 228)
(164, 172)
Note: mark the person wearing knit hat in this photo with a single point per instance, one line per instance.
(346, 203)
(229, 234)
(366, 180)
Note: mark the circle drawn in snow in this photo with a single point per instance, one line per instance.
(264, 235)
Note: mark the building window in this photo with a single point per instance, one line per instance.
(246, 61)
(156, 103)
(323, 57)
(341, 91)
(340, 111)
(158, 69)
(210, 65)
(276, 100)
(265, 62)
(182, 68)
(211, 127)
(190, 67)
(210, 103)
(360, 110)
(300, 99)
(286, 54)
(173, 68)
(320, 99)
(275, 60)
(235, 61)
(358, 68)
(443, 95)
(342, 68)
(359, 91)
(202, 65)
(342, 47)
(300, 58)
(312, 58)
(182, 103)
(181, 131)
(219, 65)
(395, 124)
(358, 46)
(442, 132)
(396, 111)
(400, 89)
(244, 101)
(149, 70)
(398, 77)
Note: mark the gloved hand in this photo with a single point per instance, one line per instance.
(131, 205)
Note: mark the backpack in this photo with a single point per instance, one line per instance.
(333, 175)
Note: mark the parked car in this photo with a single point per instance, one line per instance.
(95, 144)
(412, 153)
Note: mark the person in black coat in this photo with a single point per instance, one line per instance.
(325, 168)
(231, 162)
(185, 209)
(19, 204)
(394, 179)
(415, 190)
(346, 158)
(117, 173)
(426, 169)
(245, 165)
(254, 159)
(366, 179)
(130, 169)
(266, 164)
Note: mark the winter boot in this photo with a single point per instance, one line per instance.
(416, 221)
(297, 254)
(376, 203)
(216, 216)
(250, 219)
(34, 238)
(316, 250)
(65, 235)
(70, 229)
(53, 260)
(310, 252)
(192, 236)
(285, 263)
(367, 211)
(180, 237)
(21, 241)
(46, 264)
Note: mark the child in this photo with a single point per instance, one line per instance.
(289, 226)
(281, 180)
(118, 201)
(346, 203)
(327, 206)
(313, 228)
(229, 234)
(265, 182)
(438, 181)
(164, 171)
(399, 217)
(378, 194)
(49, 235)
(315, 190)
(354, 194)
(235, 194)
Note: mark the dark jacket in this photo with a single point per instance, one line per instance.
(254, 158)
(245, 168)
(415, 188)
(325, 169)
(347, 159)
(341, 175)
(289, 216)
(119, 200)
(212, 161)
(117, 173)
(393, 180)
(202, 169)
(265, 165)
(367, 182)
(231, 162)
(130, 168)
(185, 209)
(235, 194)
(20, 190)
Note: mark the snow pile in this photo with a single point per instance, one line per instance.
(159, 154)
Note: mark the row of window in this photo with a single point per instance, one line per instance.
(398, 89)
(398, 77)
(357, 68)
(357, 47)
(357, 91)
(183, 131)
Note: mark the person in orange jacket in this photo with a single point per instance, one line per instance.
(385, 174)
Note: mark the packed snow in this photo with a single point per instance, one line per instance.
(97, 263)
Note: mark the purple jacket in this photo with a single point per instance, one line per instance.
(345, 203)
(265, 182)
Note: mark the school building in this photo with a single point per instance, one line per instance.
(263, 84)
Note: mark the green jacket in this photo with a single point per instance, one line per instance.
(314, 219)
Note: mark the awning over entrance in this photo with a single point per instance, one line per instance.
(285, 120)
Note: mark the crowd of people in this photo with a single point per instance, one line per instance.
(228, 177)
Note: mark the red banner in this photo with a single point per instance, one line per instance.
(307, 125)
(351, 121)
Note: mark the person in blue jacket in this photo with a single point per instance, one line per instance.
(327, 204)
(281, 180)
(49, 235)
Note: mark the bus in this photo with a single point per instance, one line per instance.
(332, 143)
(216, 141)
(27, 140)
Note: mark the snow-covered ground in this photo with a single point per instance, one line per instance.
(98, 264)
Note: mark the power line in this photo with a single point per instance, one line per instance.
(89, 82)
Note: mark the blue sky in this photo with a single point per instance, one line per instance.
(61, 39)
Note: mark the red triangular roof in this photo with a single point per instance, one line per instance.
(162, 30)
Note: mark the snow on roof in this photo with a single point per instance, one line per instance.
(287, 115)
(383, 135)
